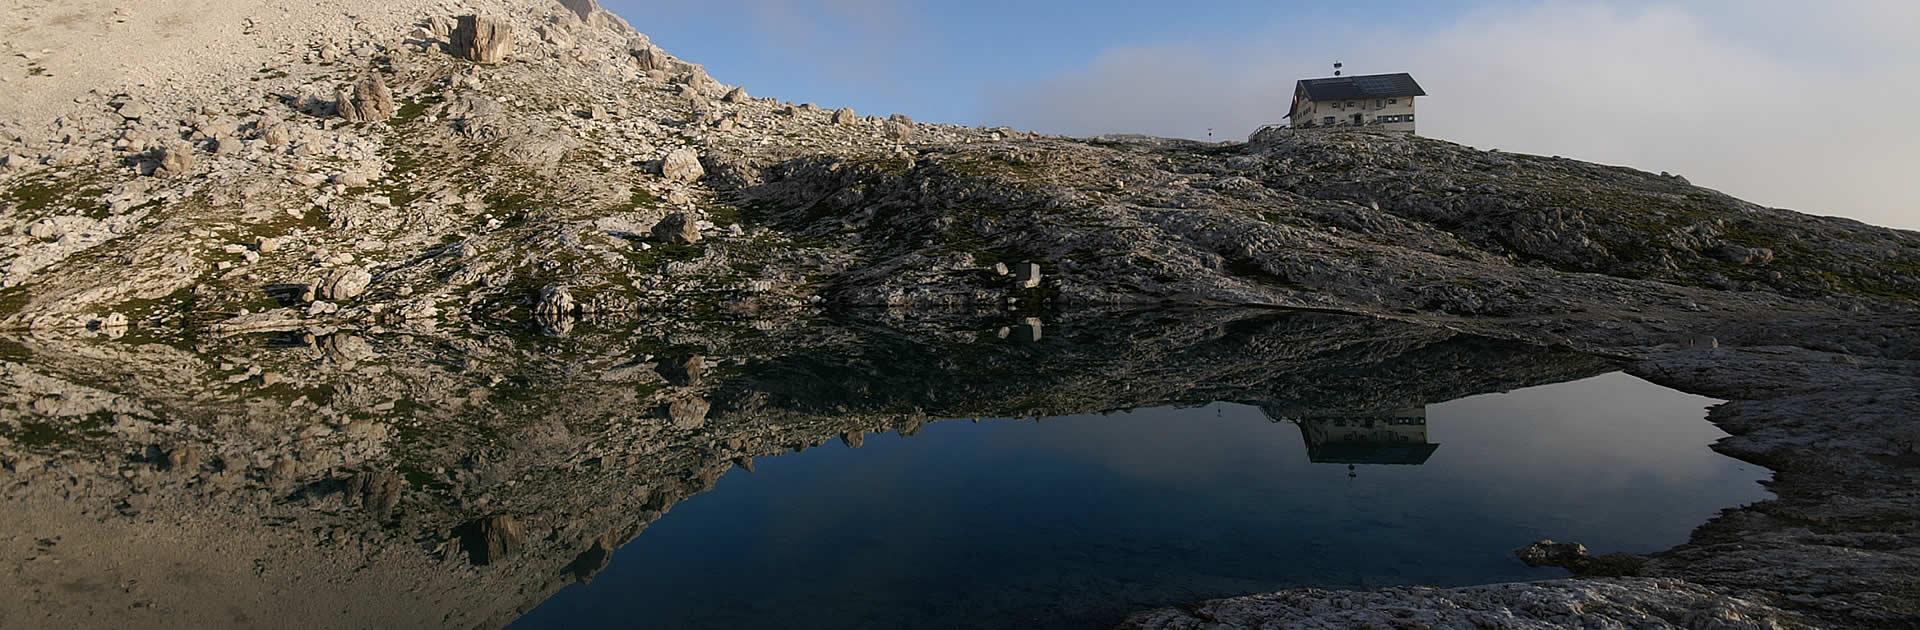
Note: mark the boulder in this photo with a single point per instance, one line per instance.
(898, 131)
(134, 110)
(1026, 275)
(176, 160)
(1547, 553)
(678, 228)
(689, 413)
(378, 492)
(683, 372)
(554, 303)
(650, 58)
(482, 40)
(494, 539)
(368, 100)
(184, 458)
(276, 135)
(735, 95)
(344, 283)
(844, 116)
(682, 165)
(442, 26)
(46, 229)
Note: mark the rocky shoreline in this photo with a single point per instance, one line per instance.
(446, 178)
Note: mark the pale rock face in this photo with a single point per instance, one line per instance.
(369, 100)
(482, 40)
(682, 165)
(677, 228)
(844, 116)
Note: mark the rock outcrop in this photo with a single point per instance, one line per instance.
(368, 100)
(482, 40)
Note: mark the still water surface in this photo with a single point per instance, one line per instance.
(1076, 521)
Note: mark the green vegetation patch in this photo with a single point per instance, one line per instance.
(43, 193)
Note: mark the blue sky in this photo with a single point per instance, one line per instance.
(1781, 102)
(939, 60)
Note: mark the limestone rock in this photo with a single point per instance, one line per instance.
(496, 538)
(650, 58)
(185, 458)
(583, 9)
(442, 26)
(1026, 275)
(735, 95)
(47, 228)
(678, 228)
(369, 100)
(682, 165)
(844, 116)
(176, 160)
(482, 40)
(898, 131)
(276, 135)
(134, 110)
(554, 302)
(689, 413)
(684, 372)
(378, 492)
(345, 283)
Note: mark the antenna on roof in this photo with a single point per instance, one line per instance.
(1336, 68)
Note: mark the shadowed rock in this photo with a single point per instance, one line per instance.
(678, 229)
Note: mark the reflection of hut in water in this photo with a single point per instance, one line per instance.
(1394, 437)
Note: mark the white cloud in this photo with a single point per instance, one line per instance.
(1780, 103)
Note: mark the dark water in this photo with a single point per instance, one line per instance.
(1075, 521)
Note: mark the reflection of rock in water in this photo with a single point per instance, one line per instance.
(455, 479)
(1394, 437)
